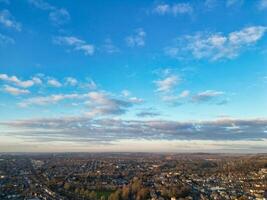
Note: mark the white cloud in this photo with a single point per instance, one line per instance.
(233, 2)
(210, 3)
(54, 82)
(179, 8)
(101, 104)
(162, 9)
(136, 40)
(262, 5)
(18, 82)
(167, 84)
(184, 94)
(126, 93)
(8, 20)
(176, 99)
(215, 46)
(6, 39)
(52, 99)
(14, 90)
(206, 96)
(71, 81)
(135, 100)
(57, 16)
(41, 4)
(37, 80)
(109, 47)
(76, 43)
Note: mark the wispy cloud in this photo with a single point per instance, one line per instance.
(51, 99)
(15, 91)
(175, 9)
(262, 5)
(234, 2)
(168, 83)
(18, 82)
(109, 47)
(148, 113)
(57, 16)
(136, 40)
(76, 43)
(54, 82)
(6, 40)
(176, 99)
(41, 4)
(9, 21)
(5, 1)
(71, 81)
(215, 46)
(207, 95)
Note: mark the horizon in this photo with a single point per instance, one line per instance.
(133, 77)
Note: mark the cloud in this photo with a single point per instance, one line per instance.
(5, 1)
(15, 91)
(51, 99)
(262, 5)
(205, 96)
(53, 82)
(167, 84)
(233, 2)
(101, 104)
(175, 9)
(184, 94)
(135, 100)
(18, 82)
(109, 130)
(215, 46)
(175, 98)
(58, 16)
(136, 40)
(71, 81)
(210, 3)
(76, 43)
(41, 4)
(109, 47)
(90, 84)
(149, 112)
(8, 20)
(126, 93)
(6, 40)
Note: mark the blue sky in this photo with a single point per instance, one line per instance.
(133, 75)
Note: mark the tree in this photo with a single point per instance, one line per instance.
(125, 193)
(93, 195)
(66, 186)
(136, 186)
(102, 197)
(115, 195)
(142, 194)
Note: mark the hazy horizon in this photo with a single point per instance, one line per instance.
(133, 76)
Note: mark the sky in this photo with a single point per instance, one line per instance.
(133, 76)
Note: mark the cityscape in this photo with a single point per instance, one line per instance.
(133, 100)
(115, 176)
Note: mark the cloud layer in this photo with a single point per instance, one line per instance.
(110, 130)
(215, 46)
